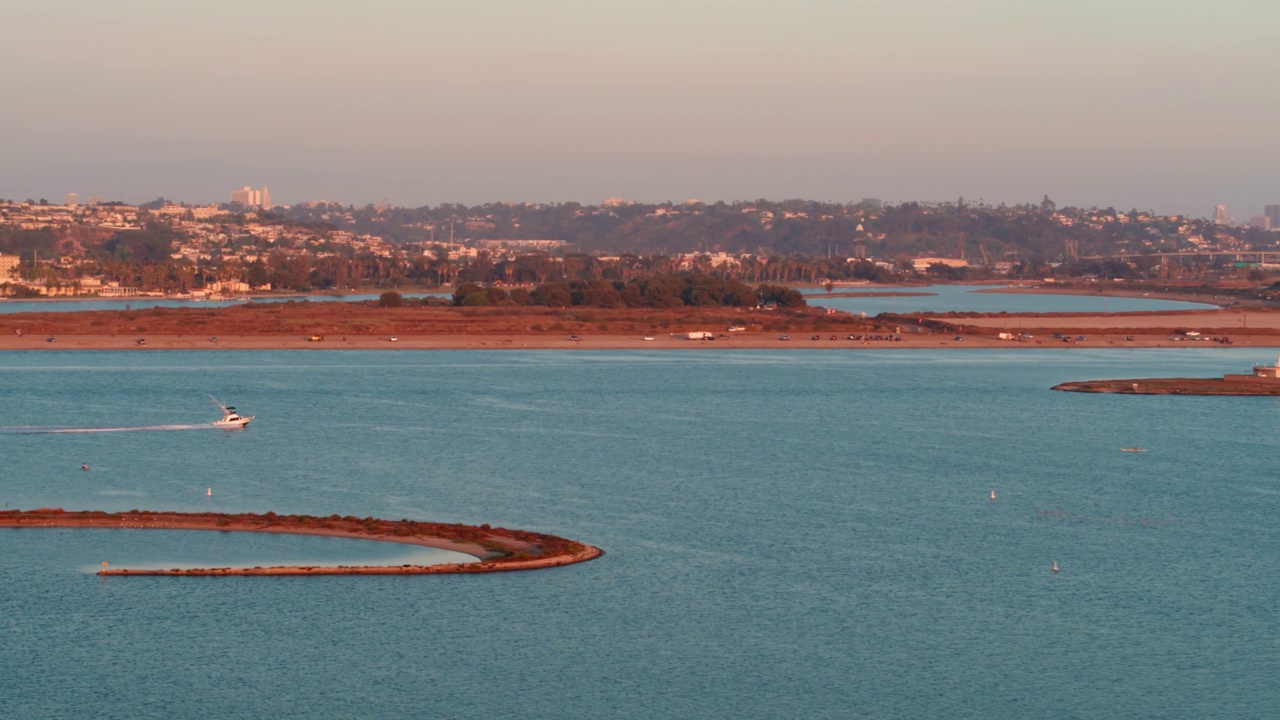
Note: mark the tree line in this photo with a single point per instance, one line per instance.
(662, 291)
(1027, 232)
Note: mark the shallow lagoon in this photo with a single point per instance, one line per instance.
(941, 298)
(790, 534)
(969, 298)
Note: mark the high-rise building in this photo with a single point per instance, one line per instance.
(72, 199)
(1220, 215)
(249, 197)
(1273, 212)
(1261, 222)
(245, 196)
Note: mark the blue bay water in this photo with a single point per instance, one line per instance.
(801, 533)
(967, 298)
(939, 298)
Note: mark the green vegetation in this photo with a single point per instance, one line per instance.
(663, 291)
(602, 255)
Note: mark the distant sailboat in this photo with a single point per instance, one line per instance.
(1055, 566)
(993, 494)
(208, 493)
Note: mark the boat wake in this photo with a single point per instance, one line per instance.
(54, 429)
(231, 420)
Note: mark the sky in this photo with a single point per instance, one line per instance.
(1165, 105)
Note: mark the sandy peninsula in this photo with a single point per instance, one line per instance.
(364, 326)
(497, 549)
(1174, 386)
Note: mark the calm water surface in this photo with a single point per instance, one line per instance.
(965, 298)
(942, 298)
(789, 533)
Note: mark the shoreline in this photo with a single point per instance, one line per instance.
(1201, 387)
(1110, 331)
(364, 326)
(1132, 293)
(496, 549)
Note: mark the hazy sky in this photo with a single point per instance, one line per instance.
(1170, 105)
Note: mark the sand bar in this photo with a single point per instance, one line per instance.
(1132, 331)
(498, 549)
(364, 326)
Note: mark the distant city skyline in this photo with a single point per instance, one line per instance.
(1153, 106)
(261, 198)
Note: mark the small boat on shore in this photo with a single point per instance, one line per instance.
(1133, 449)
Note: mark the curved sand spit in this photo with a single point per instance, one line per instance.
(1175, 386)
(498, 549)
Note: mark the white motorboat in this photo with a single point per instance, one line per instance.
(230, 418)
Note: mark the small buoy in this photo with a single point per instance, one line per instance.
(1055, 566)
(208, 493)
(993, 494)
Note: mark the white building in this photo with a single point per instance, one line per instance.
(249, 197)
(923, 264)
(8, 267)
